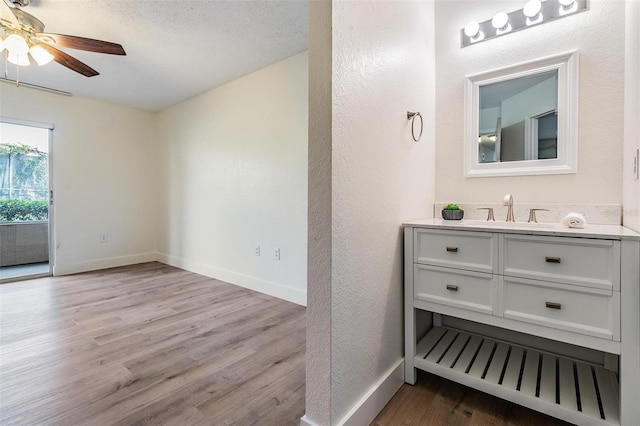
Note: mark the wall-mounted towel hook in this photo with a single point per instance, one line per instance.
(412, 116)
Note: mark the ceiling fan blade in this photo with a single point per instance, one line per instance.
(69, 61)
(82, 43)
(6, 13)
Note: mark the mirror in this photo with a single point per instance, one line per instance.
(522, 120)
(518, 119)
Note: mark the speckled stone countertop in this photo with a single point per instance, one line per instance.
(613, 232)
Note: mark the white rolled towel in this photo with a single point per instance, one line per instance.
(574, 220)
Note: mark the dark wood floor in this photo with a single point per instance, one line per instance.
(437, 401)
(148, 344)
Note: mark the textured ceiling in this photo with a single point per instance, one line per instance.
(175, 50)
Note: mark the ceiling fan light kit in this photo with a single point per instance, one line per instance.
(40, 54)
(22, 36)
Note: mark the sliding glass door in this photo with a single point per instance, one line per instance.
(24, 201)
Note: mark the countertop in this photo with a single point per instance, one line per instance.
(615, 232)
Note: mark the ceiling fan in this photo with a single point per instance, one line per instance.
(21, 34)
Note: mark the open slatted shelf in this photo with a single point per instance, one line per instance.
(571, 390)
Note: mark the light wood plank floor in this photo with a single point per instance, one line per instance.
(148, 344)
(437, 401)
(152, 344)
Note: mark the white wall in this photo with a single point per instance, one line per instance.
(233, 175)
(631, 187)
(383, 66)
(598, 34)
(318, 344)
(103, 177)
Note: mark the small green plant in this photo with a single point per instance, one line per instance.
(451, 207)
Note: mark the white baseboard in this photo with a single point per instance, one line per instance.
(252, 283)
(61, 268)
(370, 405)
(304, 421)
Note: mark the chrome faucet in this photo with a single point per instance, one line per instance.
(508, 201)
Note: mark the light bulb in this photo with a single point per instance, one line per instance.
(40, 54)
(500, 21)
(472, 29)
(21, 60)
(532, 8)
(567, 7)
(16, 45)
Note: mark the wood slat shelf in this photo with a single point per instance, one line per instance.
(571, 390)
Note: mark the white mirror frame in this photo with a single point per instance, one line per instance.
(567, 158)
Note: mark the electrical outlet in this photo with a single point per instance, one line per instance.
(257, 251)
(104, 237)
(276, 253)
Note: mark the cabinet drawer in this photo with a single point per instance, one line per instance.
(576, 261)
(563, 307)
(468, 290)
(473, 251)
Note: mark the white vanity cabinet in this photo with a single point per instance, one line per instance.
(544, 316)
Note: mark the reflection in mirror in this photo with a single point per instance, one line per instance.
(518, 119)
(522, 120)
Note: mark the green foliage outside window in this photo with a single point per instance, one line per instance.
(23, 183)
(19, 210)
(23, 172)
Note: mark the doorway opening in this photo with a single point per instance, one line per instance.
(541, 136)
(25, 201)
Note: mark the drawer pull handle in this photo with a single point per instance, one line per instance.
(553, 305)
(552, 259)
(452, 249)
(452, 287)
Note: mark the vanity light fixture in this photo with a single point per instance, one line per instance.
(533, 13)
